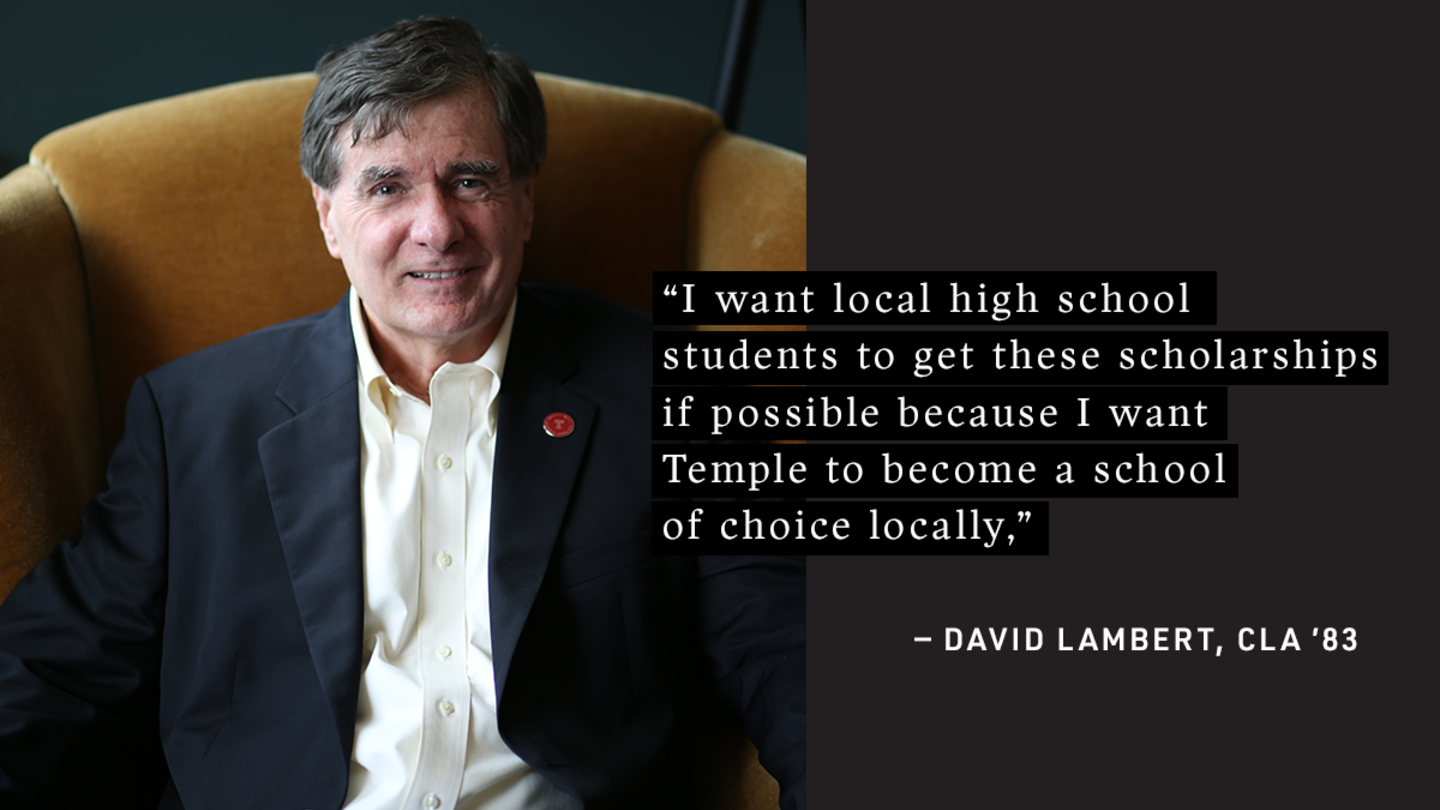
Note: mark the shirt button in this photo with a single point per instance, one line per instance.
(443, 651)
(444, 462)
(432, 801)
(443, 559)
(447, 708)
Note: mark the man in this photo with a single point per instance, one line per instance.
(396, 555)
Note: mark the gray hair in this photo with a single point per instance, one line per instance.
(374, 83)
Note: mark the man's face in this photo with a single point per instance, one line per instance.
(431, 227)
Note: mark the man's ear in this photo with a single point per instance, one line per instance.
(527, 205)
(322, 207)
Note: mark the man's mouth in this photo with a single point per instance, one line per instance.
(431, 276)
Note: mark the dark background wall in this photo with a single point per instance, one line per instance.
(66, 61)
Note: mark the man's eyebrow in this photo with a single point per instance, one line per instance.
(374, 173)
(483, 168)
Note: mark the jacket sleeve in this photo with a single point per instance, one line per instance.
(80, 645)
(753, 615)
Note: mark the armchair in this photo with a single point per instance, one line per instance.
(153, 231)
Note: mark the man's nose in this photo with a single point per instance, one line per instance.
(437, 224)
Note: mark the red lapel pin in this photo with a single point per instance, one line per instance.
(559, 425)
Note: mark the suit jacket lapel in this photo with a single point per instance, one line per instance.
(312, 470)
(534, 472)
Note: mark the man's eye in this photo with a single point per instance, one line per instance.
(472, 184)
(385, 191)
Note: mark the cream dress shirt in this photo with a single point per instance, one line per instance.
(425, 734)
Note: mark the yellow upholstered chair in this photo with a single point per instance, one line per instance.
(153, 231)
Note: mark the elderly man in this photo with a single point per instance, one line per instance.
(396, 555)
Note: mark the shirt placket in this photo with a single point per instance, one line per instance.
(442, 622)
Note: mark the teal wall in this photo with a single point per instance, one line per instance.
(66, 61)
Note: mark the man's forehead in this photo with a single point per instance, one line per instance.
(452, 134)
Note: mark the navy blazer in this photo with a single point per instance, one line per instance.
(199, 645)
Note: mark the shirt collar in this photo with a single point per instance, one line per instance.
(379, 388)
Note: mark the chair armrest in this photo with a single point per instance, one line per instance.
(747, 207)
(50, 455)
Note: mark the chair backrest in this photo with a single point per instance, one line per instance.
(150, 232)
(195, 225)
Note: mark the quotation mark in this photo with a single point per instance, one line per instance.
(1020, 517)
(670, 291)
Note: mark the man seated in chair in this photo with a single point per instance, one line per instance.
(397, 554)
